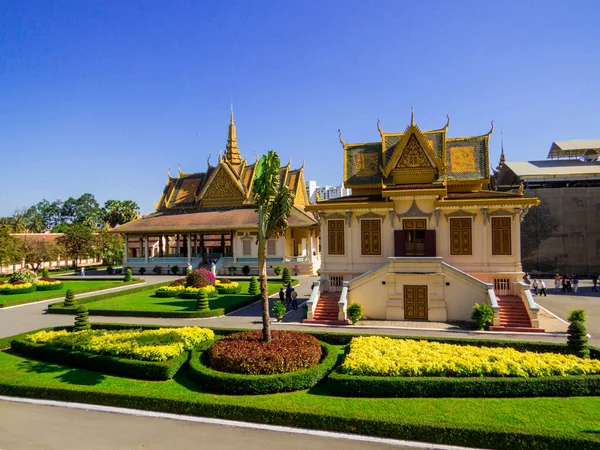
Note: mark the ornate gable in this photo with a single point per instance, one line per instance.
(414, 156)
(222, 189)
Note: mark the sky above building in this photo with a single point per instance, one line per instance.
(105, 96)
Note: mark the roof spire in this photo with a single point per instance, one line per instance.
(412, 116)
(502, 157)
(232, 153)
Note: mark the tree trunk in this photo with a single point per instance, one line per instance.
(264, 290)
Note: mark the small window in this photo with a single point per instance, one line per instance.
(501, 235)
(371, 237)
(335, 233)
(271, 247)
(460, 236)
(246, 247)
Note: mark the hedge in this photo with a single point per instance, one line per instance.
(9, 291)
(238, 384)
(48, 287)
(132, 368)
(228, 290)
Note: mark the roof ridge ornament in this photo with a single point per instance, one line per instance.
(340, 136)
(412, 116)
(379, 129)
(447, 122)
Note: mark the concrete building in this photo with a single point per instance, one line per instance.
(316, 192)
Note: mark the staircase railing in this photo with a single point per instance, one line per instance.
(343, 302)
(494, 303)
(313, 300)
(524, 292)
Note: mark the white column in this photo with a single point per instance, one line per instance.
(189, 249)
(310, 244)
(146, 250)
(125, 254)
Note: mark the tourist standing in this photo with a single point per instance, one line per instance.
(569, 287)
(294, 299)
(281, 295)
(288, 294)
(535, 286)
(564, 284)
(542, 287)
(557, 284)
(575, 284)
(82, 271)
(595, 282)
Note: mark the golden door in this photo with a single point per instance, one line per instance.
(415, 302)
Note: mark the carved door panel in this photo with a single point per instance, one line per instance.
(415, 302)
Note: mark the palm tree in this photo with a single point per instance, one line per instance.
(273, 205)
(18, 222)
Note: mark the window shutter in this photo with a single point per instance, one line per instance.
(430, 243)
(399, 243)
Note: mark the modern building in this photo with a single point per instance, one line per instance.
(316, 192)
(209, 216)
(420, 238)
(563, 234)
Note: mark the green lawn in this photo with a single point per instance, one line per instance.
(147, 301)
(77, 286)
(483, 419)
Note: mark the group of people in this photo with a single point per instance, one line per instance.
(538, 286)
(564, 284)
(289, 296)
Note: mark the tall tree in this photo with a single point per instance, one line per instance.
(9, 247)
(109, 246)
(39, 251)
(273, 205)
(117, 212)
(83, 210)
(78, 242)
(18, 221)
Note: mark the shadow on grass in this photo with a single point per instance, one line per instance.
(68, 375)
(591, 431)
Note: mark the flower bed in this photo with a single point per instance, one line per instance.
(380, 356)
(181, 291)
(48, 284)
(246, 353)
(227, 287)
(18, 287)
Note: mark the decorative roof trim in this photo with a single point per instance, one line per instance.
(460, 213)
(414, 211)
(334, 216)
(371, 215)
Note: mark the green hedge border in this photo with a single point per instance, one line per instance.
(131, 368)
(238, 384)
(27, 290)
(49, 287)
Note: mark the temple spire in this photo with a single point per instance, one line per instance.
(232, 153)
(412, 116)
(502, 157)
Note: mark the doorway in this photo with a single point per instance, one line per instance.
(415, 302)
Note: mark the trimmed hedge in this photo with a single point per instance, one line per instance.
(132, 368)
(237, 384)
(48, 287)
(8, 291)
(166, 294)
(228, 290)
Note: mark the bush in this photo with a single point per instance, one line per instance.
(19, 287)
(177, 282)
(48, 284)
(69, 298)
(279, 309)
(577, 339)
(110, 270)
(355, 312)
(45, 273)
(202, 304)
(23, 275)
(483, 315)
(247, 353)
(82, 321)
(286, 278)
(246, 270)
(142, 270)
(200, 278)
(157, 270)
(577, 315)
(253, 287)
(277, 270)
(232, 269)
(236, 384)
(128, 276)
(175, 270)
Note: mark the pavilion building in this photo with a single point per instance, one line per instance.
(210, 216)
(421, 237)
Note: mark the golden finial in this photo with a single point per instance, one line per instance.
(220, 155)
(155, 205)
(289, 162)
(179, 169)
(232, 153)
(412, 116)
(379, 128)
(340, 136)
(491, 129)
(447, 121)
(208, 161)
(301, 168)
(169, 173)
(257, 158)
(521, 188)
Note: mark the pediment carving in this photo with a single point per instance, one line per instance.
(414, 211)
(460, 213)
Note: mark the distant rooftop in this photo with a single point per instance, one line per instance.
(583, 148)
(552, 169)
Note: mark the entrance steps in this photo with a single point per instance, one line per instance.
(513, 316)
(326, 312)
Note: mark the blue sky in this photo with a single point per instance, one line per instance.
(105, 96)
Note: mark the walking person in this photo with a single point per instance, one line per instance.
(82, 272)
(557, 284)
(534, 286)
(564, 284)
(281, 295)
(542, 287)
(294, 299)
(575, 283)
(288, 294)
(569, 287)
(595, 282)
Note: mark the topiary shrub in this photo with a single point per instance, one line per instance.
(286, 278)
(247, 353)
(202, 304)
(175, 270)
(177, 282)
(142, 270)
(355, 312)
(200, 278)
(69, 298)
(232, 269)
(128, 275)
(482, 315)
(110, 270)
(157, 270)
(577, 339)
(45, 273)
(253, 287)
(277, 270)
(27, 276)
(82, 321)
(577, 315)
(246, 270)
(279, 309)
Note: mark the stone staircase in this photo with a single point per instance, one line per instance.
(326, 312)
(513, 316)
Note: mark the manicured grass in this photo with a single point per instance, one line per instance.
(77, 286)
(493, 423)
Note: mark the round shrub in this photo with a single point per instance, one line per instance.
(286, 278)
(277, 270)
(128, 275)
(45, 273)
(175, 270)
(24, 275)
(247, 353)
(142, 270)
(246, 270)
(82, 321)
(69, 298)
(279, 309)
(200, 278)
(482, 315)
(110, 270)
(577, 339)
(157, 270)
(202, 304)
(253, 287)
(355, 312)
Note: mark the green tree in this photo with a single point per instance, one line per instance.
(18, 222)
(273, 205)
(109, 246)
(117, 212)
(9, 247)
(286, 277)
(78, 242)
(82, 321)
(36, 252)
(83, 210)
(253, 287)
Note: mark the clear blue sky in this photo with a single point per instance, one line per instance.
(105, 96)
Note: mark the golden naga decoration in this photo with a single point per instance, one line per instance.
(340, 137)
(521, 188)
(379, 129)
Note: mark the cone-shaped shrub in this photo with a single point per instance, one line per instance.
(577, 340)
(69, 298)
(202, 304)
(253, 287)
(128, 276)
(286, 278)
(45, 273)
(82, 319)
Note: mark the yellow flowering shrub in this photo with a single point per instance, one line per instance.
(230, 285)
(48, 283)
(179, 288)
(207, 289)
(150, 345)
(380, 356)
(16, 287)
